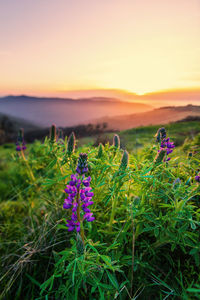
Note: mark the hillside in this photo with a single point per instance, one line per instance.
(66, 112)
(10, 125)
(162, 115)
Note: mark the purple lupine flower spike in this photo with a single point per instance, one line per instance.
(20, 144)
(79, 196)
(165, 144)
(82, 166)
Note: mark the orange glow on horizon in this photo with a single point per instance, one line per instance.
(138, 46)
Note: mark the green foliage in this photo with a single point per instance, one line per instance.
(144, 242)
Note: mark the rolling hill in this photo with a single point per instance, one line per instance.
(66, 112)
(161, 115)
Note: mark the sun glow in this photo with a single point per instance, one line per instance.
(139, 46)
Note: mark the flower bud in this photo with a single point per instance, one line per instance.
(124, 161)
(60, 134)
(20, 144)
(161, 134)
(53, 133)
(82, 166)
(100, 151)
(20, 136)
(71, 144)
(116, 141)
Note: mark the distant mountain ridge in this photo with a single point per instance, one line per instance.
(44, 111)
(156, 116)
(157, 99)
(71, 100)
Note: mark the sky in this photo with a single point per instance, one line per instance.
(49, 47)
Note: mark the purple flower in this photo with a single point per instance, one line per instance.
(67, 204)
(86, 182)
(75, 206)
(18, 148)
(73, 180)
(72, 225)
(20, 144)
(197, 177)
(79, 196)
(167, 146)
(88, 217)
(74, 217)
(82, 166)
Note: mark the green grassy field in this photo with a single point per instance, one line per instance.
(144, 241)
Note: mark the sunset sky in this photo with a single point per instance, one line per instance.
(52, 46)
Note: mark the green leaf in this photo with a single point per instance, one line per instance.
(113, 280)
(33, 280)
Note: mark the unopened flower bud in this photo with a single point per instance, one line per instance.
(161, 134)
(53, 133)
(124, 161)
(116, 141)
(71, 144)
(100, 151)
(82, 166)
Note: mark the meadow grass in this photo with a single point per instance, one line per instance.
(144, 241)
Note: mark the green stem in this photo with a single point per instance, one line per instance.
(79, 217)
(133, 257)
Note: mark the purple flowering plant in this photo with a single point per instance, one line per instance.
(20, 144)
(79, 197)
(166, 146)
